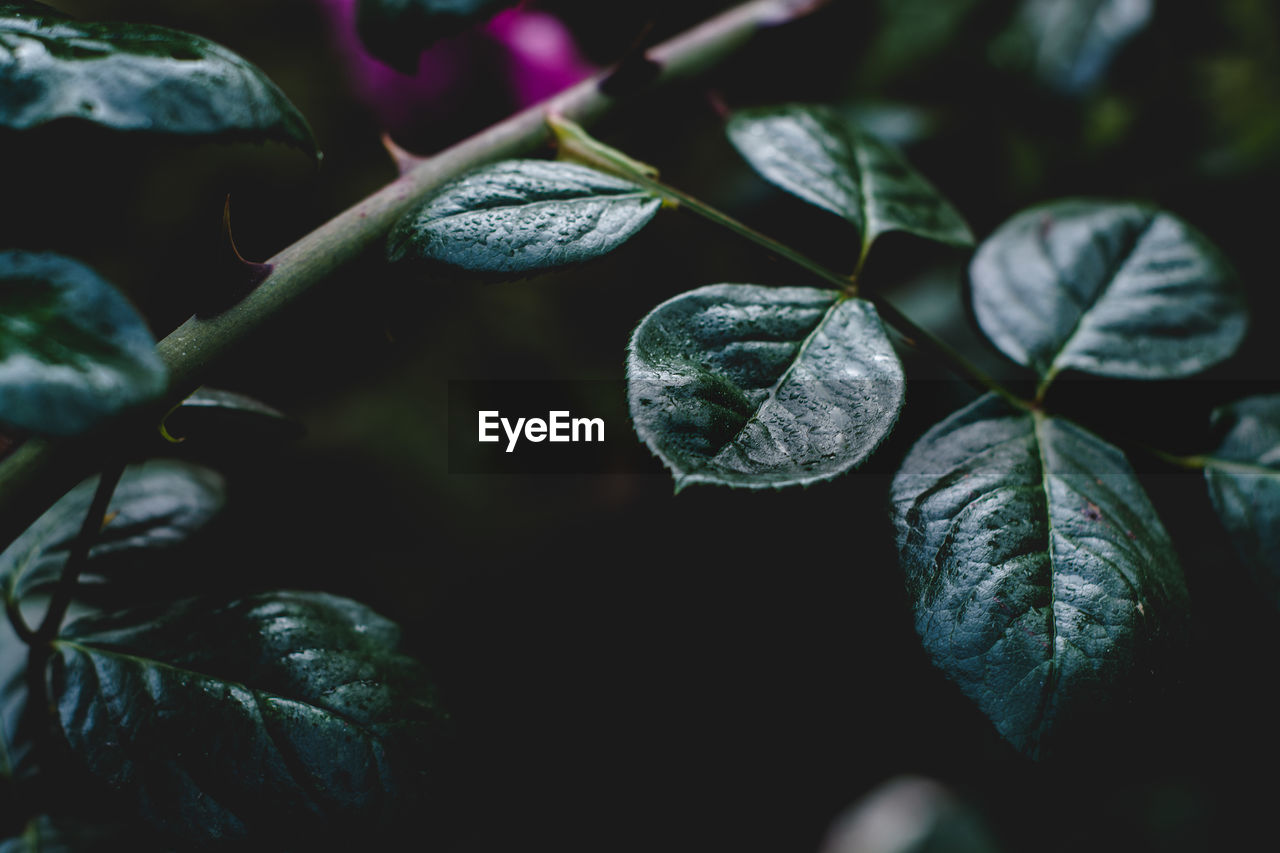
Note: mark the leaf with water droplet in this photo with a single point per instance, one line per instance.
(73, 352)
(303, 726)
(1120, 290)
(1043, 581)
(743, 385)
(135, 77)
(1243, 476)
(521, 216)
(814, 153)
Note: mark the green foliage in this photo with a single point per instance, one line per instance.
(304, 718)
(1243, 475)
(73, 352)
(135, 77)
(814, 153)
(156, 506)
(752, 386)
(522, 216)
(1120, 290)
(1041, 577)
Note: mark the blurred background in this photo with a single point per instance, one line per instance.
(633, 670)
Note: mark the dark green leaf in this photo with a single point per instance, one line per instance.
(211, 411)
(754, 386)
(813, 152)
(1068, 44)
(135, 77)
(278, 713)
(519, 216)
(156, 505)
(1120, 290)
(13, 665)
(1041, 577)
(73, 352)
(1243, 475)
(397, 31)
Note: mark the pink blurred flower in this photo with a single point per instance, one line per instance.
(524, 56)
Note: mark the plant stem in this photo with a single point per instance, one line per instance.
(79, 555)
(39, 472)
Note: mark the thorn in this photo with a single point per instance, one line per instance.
(405, 162)
(230, 279)
(164, 427)
(107, 519)
(715, 99)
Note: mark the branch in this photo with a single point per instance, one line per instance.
(39, 472)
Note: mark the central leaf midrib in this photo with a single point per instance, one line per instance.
(773, 390)
(1113, 272)
(595, 199)
(138, 660)
(1050, 682)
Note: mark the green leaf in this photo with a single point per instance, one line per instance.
(812, 152)
(1243, 475)
(156, 505)
(1068, 44)
(14, 750)
(286, 712)
(1120, 290)
(397, 31)
(1042, 579)
(214, 410)
(519, 216)
(73, 352)
(135, 77)
(752, 386)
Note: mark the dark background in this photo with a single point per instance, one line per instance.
(633, 670)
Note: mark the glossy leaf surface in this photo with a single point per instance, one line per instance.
(135, 77)
(73, 352)
(521, 216)
(814, 153)
(752, 386)
(1119, 290)
(1243, 475)
(1040, 575)
(397, 31)
(156, 505)
(279, 713)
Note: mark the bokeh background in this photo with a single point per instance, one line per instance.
(717, 670)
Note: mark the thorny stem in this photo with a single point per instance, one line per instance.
(37, 473)
(577, 144)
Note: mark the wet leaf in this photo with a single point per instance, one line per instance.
(135, 77)
(814, 153)
(752, 386)
(1120, 290)
(73, 352)
(156, 506)
(521, 216)
(1041, 577)
(285, 715)
(1243, 475)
